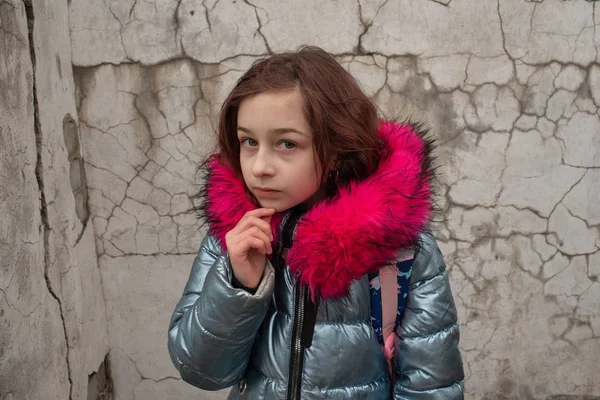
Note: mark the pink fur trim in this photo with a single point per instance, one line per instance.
(358, 231)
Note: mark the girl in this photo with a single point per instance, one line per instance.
(309, 197)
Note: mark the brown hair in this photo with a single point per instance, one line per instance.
(342, 118)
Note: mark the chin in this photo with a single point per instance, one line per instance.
(278, 206)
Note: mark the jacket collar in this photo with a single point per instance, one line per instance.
(356, 232)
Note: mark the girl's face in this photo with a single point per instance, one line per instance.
(277, 156)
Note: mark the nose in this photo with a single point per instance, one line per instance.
(263, 164)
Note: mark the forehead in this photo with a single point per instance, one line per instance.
(273, 110)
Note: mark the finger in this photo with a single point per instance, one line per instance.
(258, 223)
(259, 234)
(242, 225)
(252, 242)
(260, 212)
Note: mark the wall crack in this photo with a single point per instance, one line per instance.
(40, 180)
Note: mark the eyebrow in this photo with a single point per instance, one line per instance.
(278, 131)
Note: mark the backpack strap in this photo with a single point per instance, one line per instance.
(404, 268)
(376, 306)
(389, 291)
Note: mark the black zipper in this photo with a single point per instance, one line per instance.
(297, 350)
(305, 318)
(305, 313)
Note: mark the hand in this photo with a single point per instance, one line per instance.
(248, 245)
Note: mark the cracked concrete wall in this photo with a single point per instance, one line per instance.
(511, 89)
(32, 330)
(52, 312)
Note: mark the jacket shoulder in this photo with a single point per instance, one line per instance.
(211, 245)
(429, 261)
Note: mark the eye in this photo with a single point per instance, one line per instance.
(287, 145)
(248, 142)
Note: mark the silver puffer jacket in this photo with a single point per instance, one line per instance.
(305, 333)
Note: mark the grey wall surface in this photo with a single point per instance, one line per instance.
(510, 88)
(53, 325)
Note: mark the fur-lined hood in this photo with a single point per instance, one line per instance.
(359, 230)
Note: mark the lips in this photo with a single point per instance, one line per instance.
(265, 192)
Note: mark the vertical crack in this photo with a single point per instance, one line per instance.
(207, 17)
(121, 27)
(366, 25)
(502, 32)
(359, 47)
(40, 180)
(131, 9)
(269, 51)
(177, 23)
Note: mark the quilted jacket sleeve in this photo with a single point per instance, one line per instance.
(213, 327)
(428, 363)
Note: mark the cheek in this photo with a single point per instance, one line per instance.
(244, 164)
(246, 168)
(309, 178)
